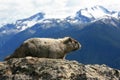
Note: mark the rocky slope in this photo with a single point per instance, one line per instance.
(31, 68)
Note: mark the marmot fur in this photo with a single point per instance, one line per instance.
(46, 48)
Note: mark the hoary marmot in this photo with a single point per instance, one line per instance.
(46, 48)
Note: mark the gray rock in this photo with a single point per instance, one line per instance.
(33, 68)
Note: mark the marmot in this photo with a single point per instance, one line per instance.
(46, 48)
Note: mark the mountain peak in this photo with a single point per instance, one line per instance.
(93, 13)
(23, 24)
(37, 16)
(98, 7)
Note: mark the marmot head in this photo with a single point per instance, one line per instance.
(71, 44)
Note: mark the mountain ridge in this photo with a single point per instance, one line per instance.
(84, 15)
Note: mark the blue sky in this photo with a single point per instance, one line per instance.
(11, 10)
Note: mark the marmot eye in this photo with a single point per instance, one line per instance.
(70, 39)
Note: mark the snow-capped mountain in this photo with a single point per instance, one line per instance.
(85, 15)
(28, 22)
(21, 24)
(95, 12)
(96, 28)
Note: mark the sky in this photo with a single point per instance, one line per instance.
(12, 10)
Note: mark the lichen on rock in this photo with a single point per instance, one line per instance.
(33, 68)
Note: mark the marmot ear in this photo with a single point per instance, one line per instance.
(66, 40)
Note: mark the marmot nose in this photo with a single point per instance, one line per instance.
(79, 45)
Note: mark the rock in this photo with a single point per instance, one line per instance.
(33, 68)
(102, 72)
